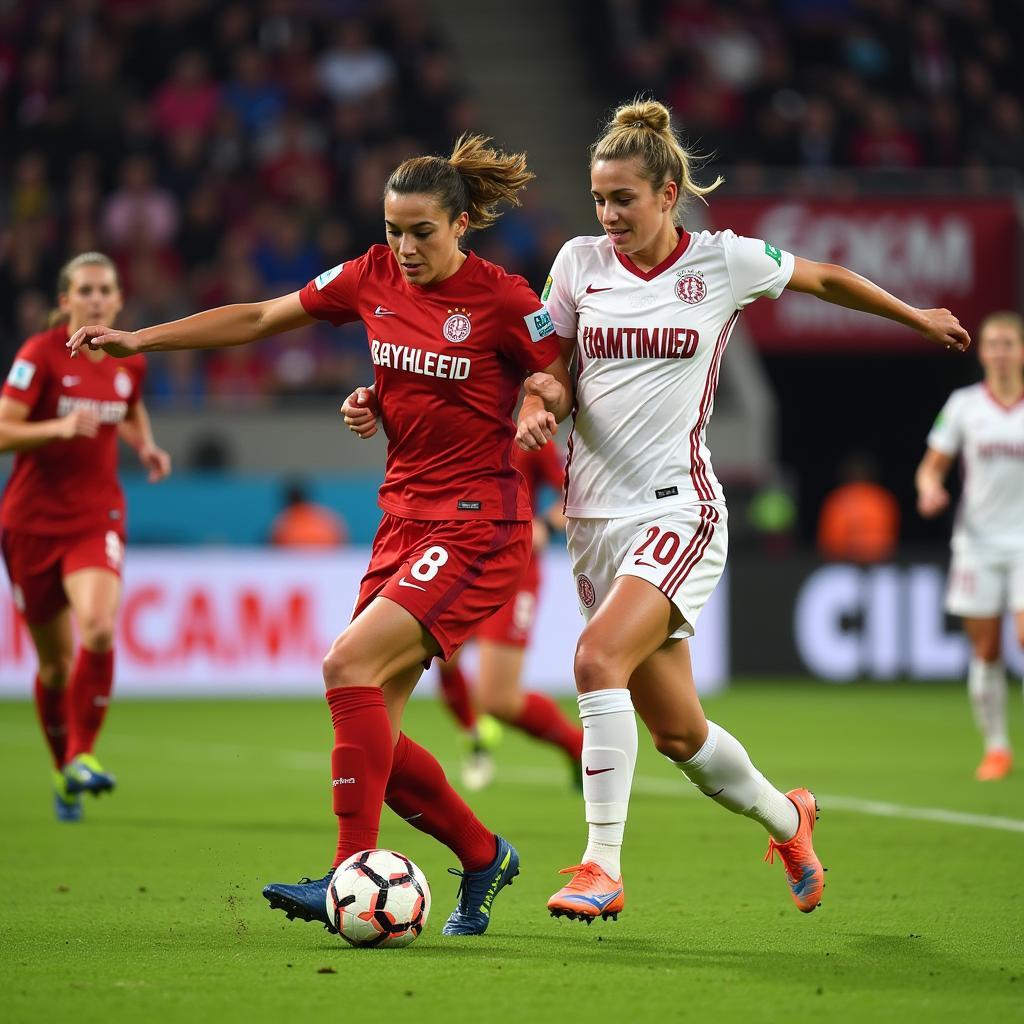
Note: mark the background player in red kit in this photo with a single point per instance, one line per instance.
(63, 515)
(501, 643)
(452, 337)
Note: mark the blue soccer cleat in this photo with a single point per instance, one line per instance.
(307, 900)
(67, 806)
(86, 775)
(477, 890)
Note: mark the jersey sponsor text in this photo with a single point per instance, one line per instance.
(415, 360)
(639, 342)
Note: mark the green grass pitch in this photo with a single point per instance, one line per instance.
(150, 910)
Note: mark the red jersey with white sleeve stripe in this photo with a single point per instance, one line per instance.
(649, 347)
(66, 488)
(449, 359)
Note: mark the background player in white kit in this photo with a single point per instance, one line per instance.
(984, 423)
(648, 309)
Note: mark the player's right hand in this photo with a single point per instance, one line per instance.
(80, 423)
(361, 410)
(97, 336)
(535, 428)
(944, 329)
(932, 500)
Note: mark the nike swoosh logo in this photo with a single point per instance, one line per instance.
(591, 289)
(599, 900)
(381, 311)
(598, 771)
(403, 582)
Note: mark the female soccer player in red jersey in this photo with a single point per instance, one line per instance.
(451, 337)
(648, 308)
(501, 644)
(63, 515)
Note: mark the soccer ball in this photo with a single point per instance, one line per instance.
(378, 898)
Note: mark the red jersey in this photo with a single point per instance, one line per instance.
(449, 359)
(69, 487)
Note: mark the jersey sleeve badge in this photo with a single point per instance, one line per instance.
(776, 254)
(22, 372)
(539, 325)
(323, 280)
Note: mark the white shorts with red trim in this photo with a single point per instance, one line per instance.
(983, 585)
(681, 552)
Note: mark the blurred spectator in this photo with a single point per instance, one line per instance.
(252, 96)
(189, 101)
(139, 211)
(859, 520)
(304, 523)
(353, 70)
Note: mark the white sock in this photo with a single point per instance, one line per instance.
(609, 757)
(722, 770)
(986, 685)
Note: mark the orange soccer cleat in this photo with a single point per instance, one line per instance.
(592, 893)
(804, 872)
(996, 764)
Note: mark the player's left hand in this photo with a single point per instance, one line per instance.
(157, 461)
(535, 429)
(98, 336)
(361, 410)
(944, 329)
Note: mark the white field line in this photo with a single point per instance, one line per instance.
(646, 785)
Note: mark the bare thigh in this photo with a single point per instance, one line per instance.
(665, 696)
(499, 692)
(55, 648)
(984, 635)
(95, 595)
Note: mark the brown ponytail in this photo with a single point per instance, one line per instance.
(84, 259)
(642, 130)
(475, 179)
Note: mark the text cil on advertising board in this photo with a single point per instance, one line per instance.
(934, 253)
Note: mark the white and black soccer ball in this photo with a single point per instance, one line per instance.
(378, 898)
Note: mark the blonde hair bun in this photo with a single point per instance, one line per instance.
(644, 114)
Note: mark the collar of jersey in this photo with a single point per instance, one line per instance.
(649, 275)
(458, 277)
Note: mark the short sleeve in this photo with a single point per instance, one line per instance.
(333, 295)
(27, 376)
(529, 335)
(558, 295)
(947, 435)
(756, 268)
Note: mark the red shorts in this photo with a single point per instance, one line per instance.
(37, 565)
(449, 575)
(512, 624)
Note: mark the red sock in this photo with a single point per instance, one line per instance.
(542, 717)
(455, 691)
(88, 698)
(51, 707)
(360, 765)
(419, 792)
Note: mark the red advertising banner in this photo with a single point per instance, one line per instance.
(933, 253)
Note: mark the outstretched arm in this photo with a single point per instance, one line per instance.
(843, 287)
(214, 328)
(932, 496)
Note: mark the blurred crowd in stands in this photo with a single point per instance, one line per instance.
(823, 84)
(224, 151)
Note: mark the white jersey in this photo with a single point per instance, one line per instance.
(990, 438)
(649, 347)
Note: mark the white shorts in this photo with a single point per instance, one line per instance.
(681, 552)
(983, 587)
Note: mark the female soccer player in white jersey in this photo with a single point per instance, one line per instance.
(984, 423)
(648, 308)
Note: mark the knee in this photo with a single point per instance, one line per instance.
(54, 672)
(341, 665)
(596, 667)
(986, 647)
(97, 631)
(679, 746)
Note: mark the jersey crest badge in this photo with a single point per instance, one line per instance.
(691, 288)
(457, 327)
(22, 372)
(586, 591)
(123, 384)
